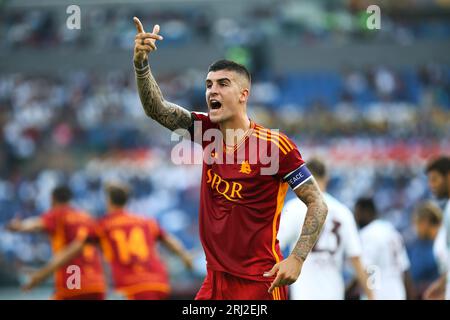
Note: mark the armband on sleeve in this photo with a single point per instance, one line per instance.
(297, 177)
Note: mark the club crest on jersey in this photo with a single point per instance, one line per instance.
(245, 167)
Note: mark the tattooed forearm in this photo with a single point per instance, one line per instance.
(166, 113)
(317, 211)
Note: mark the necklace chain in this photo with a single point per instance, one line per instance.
(243, 137)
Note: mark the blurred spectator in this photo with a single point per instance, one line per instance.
(427, 219)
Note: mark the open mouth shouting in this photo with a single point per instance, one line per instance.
(215, 104)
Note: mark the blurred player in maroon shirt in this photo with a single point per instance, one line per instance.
(65, 224)
(242, 194)
(129, 244)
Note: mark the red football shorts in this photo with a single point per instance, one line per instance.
(223, 286)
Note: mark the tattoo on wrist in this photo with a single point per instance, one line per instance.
(299, 256)
(139, 66)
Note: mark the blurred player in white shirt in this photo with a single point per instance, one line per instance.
(438, 172)
(322, 273)
(384, 253)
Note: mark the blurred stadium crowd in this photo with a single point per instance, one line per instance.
(305, 21)
(375, 126)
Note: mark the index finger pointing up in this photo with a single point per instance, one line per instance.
(138, 24)
(156, 29)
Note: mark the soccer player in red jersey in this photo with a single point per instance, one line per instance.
(129, 244)
(66, 225)
(242, 197)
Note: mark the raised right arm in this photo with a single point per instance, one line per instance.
(168, 114)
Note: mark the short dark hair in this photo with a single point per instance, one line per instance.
(317, 168)
(62, 194)
(429, 212)
(367, 204)
(231, 66)
(118, 194)
(441, 165)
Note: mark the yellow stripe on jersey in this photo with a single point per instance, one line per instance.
(277, 293)
(283, 140)
(256, 134)
(279, 134)
(282, 190)
(274, 137)
(274, 294)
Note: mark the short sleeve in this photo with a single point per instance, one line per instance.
(292, 167)
(49, 220)
(200, 124)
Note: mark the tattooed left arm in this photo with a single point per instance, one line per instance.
(311, 195)
(288, 270)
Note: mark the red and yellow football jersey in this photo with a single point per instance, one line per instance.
(65, 224)
(241, 200)
(129, 244)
